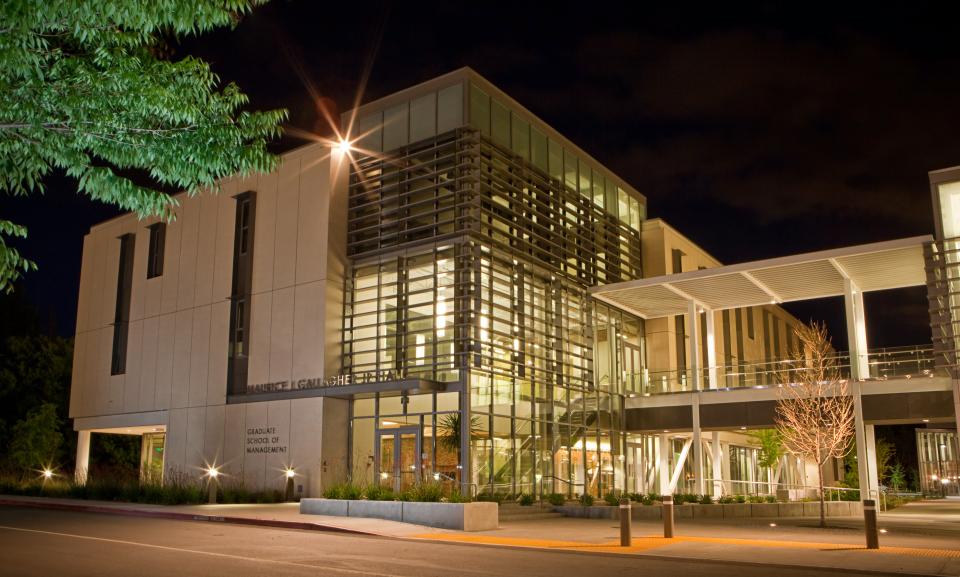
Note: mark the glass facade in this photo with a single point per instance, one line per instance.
(471, 255)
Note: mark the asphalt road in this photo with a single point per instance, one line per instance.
(52, 543)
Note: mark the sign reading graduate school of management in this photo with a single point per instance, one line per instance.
(320, 383)
(265, 440)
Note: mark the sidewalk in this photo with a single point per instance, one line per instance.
(282, 515)
(921, 539)
(797, 543)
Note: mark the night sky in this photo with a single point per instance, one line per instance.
(757, 130)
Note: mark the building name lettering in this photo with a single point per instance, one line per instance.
(261, 440)
(322, 383)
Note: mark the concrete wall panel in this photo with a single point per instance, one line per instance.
(147, 400)
(217, 355)
(170, 280)
(183, 331)
(285, 244)
(199, 356)
(206, 244)
(281, 335)
(189, 221)
(166, 331)
(265, 230)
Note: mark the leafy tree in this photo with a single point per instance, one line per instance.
(87, 89)
(770, 445)
(449, 430)
(884, 453)
(36, 438)
(34, 370)
(898, 476)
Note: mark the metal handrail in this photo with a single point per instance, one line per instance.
(883, 363)
(569, 483)
(787, 486)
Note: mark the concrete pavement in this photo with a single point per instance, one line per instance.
(919, 538)
(35, 543)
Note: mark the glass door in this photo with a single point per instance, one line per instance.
(399, 457)
(151, 457)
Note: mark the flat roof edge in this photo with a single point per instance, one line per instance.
(799, 258)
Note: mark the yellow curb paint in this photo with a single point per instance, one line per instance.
(652, 542)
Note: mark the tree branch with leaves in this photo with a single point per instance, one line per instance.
(87, 90)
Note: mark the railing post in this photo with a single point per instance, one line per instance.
(668, 516)
(625, 540)
(870, 523)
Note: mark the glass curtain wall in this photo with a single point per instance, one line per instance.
(473, 252)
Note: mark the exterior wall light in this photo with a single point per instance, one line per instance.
(47, 474)
(212, 474)
(289, 473)
(344, 146)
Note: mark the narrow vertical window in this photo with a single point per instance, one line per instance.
(239, 350)
(121, 318)
(158, 235)
(750, 332)
(677, 258)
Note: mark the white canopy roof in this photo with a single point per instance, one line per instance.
(870, 267)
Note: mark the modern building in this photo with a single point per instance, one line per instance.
(461, 294)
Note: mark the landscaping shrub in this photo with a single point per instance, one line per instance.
(525, 500)
(586, 499)
(457, 497)
(705, 500)
(770, 499)
(612, 499)
(378, 493)
(490, 497)
(741, 499)
(556, 499)
(727, 499)
(423, 492)
(755, 499)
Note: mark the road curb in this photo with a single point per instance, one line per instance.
(176, 516)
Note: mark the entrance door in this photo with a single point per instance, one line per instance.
(399, 458)
(151, 457)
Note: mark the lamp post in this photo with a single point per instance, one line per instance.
(212, 474)
(290, 473)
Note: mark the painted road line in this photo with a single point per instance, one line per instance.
(196, 552)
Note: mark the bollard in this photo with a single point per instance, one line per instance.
(870, 523)
(625, 540)
(212, 491)
(288, 492)
(668, 516)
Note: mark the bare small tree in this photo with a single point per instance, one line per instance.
(814, 414)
